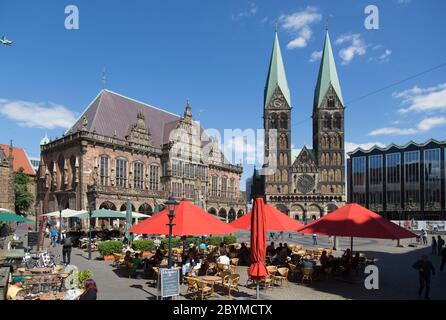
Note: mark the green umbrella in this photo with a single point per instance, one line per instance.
(101, 213)
(12, 217)
(128, 219)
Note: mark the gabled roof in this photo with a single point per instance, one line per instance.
(327, 75)
(393, 145)
(21, 159)
(305, 150)
(276, 75)
(111, 113)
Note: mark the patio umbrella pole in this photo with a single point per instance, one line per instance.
(351, 245)
(257, 290)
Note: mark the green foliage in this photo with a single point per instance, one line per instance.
(214, 241)
(107, 248)
(143, 245)
(229, 239)
(165, 243)
(23, 198)
(84, 275)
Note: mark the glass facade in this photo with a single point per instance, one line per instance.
(393, 181)
(376, 170)
(359, 180)
(432, 177)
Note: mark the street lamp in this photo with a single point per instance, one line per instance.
(90, 213)
(171, 204)
(60, 222)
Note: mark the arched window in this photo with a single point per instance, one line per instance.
(337, 121)
(138, 175)
(283, 121)
(103, 170)
(154, 177)
(327, 121)
(331, 102)
(121, 172)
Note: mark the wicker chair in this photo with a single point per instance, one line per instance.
(192, 287)
(203, 290)
(307, 275)
(281, 276)
(231, 283)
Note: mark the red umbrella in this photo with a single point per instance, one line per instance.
(354, 220)
(257, 270)
(275, 220)
(189, 220)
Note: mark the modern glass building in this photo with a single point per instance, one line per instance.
(400, 182)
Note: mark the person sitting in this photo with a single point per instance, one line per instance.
(324, 260)
(307, 264)
(16, 288)
(157, 257)
(136, 263)
(355, 261)
(203, 247)
(222, 249)
(91, 290)
(270, 250)
(244, 255)
(279, 248)
(346, 257)
(232, 251)
(188, 262)
(223, 259)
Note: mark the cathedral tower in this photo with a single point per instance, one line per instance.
(328, 126)
(277, 115)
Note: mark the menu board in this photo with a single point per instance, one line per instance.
(32, 238)
(169, 282)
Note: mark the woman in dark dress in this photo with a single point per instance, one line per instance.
(91, 290)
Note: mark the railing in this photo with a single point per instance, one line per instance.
(132, 191)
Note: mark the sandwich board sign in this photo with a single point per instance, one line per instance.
(169, 282)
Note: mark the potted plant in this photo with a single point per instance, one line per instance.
(108, 248)
(144, 246)
(84, 275)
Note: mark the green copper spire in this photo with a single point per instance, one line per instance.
(327, 75)
(276, 75)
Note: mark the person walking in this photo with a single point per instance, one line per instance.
(314, 239)
(434, 246)
(67, 245)
(425, 269)
(440, 244)
(443, 259)
(53, 233)
(424, 236)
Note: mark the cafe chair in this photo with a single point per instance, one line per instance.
(230, 282)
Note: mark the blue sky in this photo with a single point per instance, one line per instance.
(216, 54)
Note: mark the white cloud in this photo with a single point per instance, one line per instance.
(37, 115)
(351, 146)
(425, 125)
(357, 47)
(386, 54)
(423, 99)
(298, 23)
(403, 2)
(249, 12)
(315, 56)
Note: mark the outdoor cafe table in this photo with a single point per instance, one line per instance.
(212, 279)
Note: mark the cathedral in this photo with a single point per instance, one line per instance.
(311, 183)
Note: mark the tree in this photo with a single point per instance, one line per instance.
(23, 198)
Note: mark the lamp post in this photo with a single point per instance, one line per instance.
(171, 204)
(399, 222)
(90, 213)
(60, 223)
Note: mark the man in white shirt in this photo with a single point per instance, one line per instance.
(223, 259)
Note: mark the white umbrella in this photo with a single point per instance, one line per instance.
(66, 213)
(137, 215)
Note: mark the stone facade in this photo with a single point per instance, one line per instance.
(6, 181)
(313, 183)
(87, 165)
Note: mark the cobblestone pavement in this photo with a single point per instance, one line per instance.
(397, 278)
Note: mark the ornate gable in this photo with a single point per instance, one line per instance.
(138, 133)
(305, 162)
(278, 101)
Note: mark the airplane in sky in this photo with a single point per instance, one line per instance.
(5, 41)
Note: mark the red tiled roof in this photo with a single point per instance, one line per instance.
(21, 160)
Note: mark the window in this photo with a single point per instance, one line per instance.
(138, 175)
(121, 172)
(393, 168)
(432, 176)
(214, 186)
(358, 168)
(231, 188)
(224, 186)
(331, 102)
(154, 177)
(376, 170)
(104, 170)
(175, 168)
